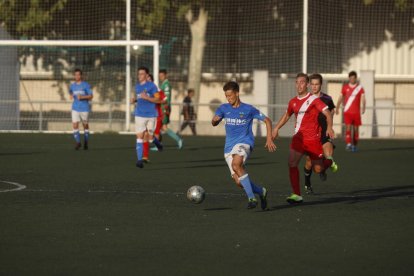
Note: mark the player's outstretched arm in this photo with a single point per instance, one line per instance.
(338, 104)
(85, 97)
(282, 121)
(363, 103)
(216, 120)
(329, 131)
(271, 147)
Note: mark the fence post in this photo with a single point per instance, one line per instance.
(40, 117)
(110, 115)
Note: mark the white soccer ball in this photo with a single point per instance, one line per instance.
(196, 194)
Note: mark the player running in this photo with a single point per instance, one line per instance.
(316, 81)
(240, 140)
(306, 139)
(351, 96)
(162, 98)
(81, 93)
(145, 112)
(166, 108)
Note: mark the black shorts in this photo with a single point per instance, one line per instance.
(326, 139)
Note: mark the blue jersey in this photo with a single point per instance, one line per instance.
(146, 108)
(82, 89)
(239, 124)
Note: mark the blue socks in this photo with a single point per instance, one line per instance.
(76, 135)
(173, 135)
(156, 142)
(247, 185)
(86, 135)
(140, 149)
(256, 189)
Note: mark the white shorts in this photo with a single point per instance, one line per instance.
(238, 149)
(80, 117)
(142, 124)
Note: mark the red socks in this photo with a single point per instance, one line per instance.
(294, 179)
(327, 163)
(348, 137)
(146, 150)
(356, 138)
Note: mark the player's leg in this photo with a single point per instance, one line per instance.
(151, 124)
(145, 150)
(140, 128)
(157, 132)
(295, 155)
(348, 139)
(193, 127)
(172, 134)
(85, 122)
(308, 173)
(328, 150)
(75, 126)
(355, 138)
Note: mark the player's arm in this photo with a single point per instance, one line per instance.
(282, 121)
(88, 96)
(156, 99)
(363, 103)
(216, 120)
(338, 104)
(329, 121)
(269, 139)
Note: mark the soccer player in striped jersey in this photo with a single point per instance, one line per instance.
(145, 112)
(81, 93)
(352, 95)
(306, 139)
(240, 140)
(316, 81)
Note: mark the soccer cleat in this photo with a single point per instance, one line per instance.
(348, 147)
(140, 164)
(252, 203)
(334, 167)
(263, 199)
(294, 199)
(145, 159)
(323, 176)
(153, 149)
(308, 189)
(78, 146)
(180, 143)
(85, 146)
(354, 148)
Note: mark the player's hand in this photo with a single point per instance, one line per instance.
(271, 147)
(79, 97)
(337, 111)
(144, 96)
(275, 133)
(216, 120)
(330, 133)
(133, 100)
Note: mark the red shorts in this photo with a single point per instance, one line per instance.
(352, 119)
(313, 148)
(157, 130)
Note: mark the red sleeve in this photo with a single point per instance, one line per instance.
(290, 110)
(362, 90)
(320, 105)
(343, 89)
(162, 95)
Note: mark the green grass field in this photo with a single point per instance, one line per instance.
(94, 212)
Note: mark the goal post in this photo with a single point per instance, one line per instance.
(139, 51)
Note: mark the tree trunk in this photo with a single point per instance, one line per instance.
(198, 32)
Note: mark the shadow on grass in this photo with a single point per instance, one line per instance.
(20, 153)
(218, 209)
(359, 196)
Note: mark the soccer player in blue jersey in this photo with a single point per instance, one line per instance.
(81, 93)
(145, 112)
(239, 144)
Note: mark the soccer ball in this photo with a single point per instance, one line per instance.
(196, 194)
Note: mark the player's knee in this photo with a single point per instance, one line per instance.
(317, 168)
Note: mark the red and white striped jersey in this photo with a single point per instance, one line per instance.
(306, 110)
(352, 98)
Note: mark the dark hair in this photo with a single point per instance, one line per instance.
(352, 73)
(302, 75)
(78, 70)
(316, 77)
(190, 90)
(231, 85)
(151, 77)
(143, 68)
(164, 71)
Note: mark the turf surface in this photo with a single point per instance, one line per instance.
(86, 212)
